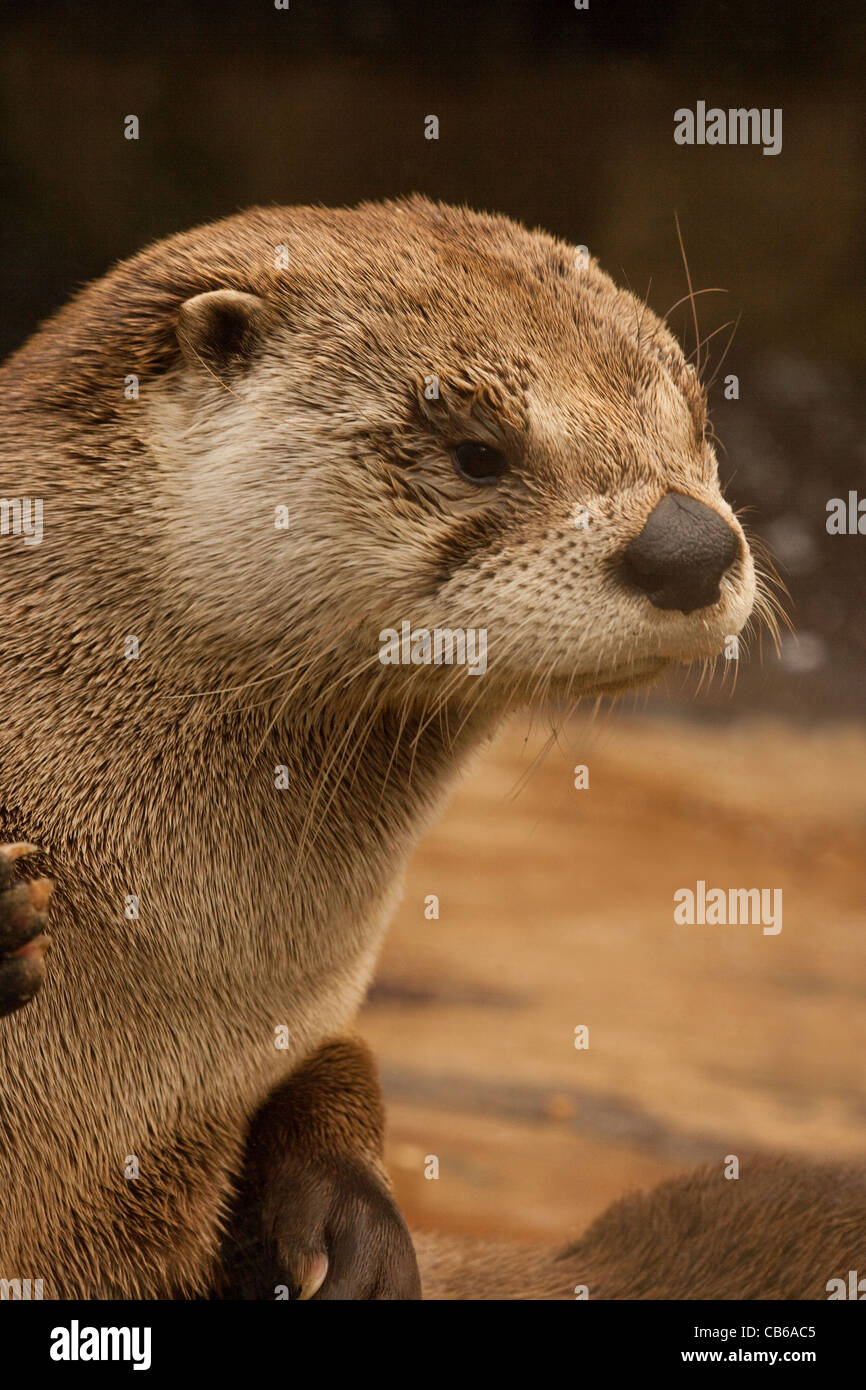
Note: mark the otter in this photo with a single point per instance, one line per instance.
(785, 1229)
(260, 446)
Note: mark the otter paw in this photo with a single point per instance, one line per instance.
(340, 1235)
(329, 1231)
(23, 938)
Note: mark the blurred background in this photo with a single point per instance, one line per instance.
(556, 904)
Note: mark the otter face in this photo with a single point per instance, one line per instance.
(472, 431)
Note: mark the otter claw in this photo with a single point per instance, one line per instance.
(315, 1276)
(8, 855)
(23, 936)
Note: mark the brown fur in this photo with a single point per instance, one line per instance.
(782, 1230)
(155, 777)
(314, 1184)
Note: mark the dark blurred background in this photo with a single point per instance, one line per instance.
(559, 117)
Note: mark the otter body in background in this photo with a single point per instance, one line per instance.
(464, 427)
(783, 1230)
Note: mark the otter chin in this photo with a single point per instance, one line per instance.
(260, 443)
(628, 678)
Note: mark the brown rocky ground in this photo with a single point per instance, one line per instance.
(556, 909)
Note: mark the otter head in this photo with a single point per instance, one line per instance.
(472, 431)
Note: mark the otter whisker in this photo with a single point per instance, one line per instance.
(713, 289)
(721, 328)
(322, 779)
(714, 378)
(528, 773)
(691, 294)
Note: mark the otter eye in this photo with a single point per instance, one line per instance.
(479, 464)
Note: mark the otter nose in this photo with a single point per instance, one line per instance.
(681, 554)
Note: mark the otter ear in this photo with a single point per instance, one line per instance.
(221, 328)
